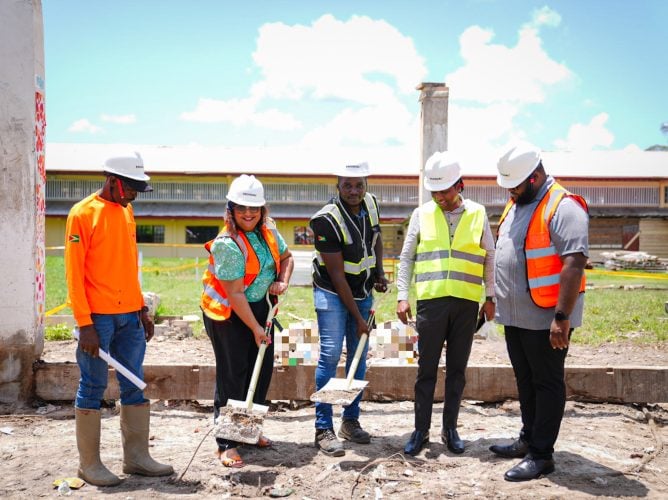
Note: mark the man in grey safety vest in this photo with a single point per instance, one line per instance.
(450, 247)
(348, 264)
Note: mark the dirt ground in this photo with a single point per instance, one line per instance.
(604, 450)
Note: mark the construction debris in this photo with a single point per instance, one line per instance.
(616, 261)
(174, 327)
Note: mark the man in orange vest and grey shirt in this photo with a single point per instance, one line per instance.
(541, 252)
(108, 306)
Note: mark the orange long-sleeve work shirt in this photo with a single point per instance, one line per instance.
(101, 259)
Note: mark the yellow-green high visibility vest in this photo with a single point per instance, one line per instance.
(442, 270)
(358, 259)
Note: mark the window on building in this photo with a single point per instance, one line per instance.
(200, 234)
(303, 235)
(150, 234)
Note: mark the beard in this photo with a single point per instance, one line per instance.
(527, 196)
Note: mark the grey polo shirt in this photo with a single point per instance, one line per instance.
(569, 231)
(408, 252)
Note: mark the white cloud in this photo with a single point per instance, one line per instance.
(119, 119)
(495, 73)
(545, 17)
(389, 124)
(356, 69)
(361, 60)
(478, 128)
(83, 125)
(584, 137)
(240, 112)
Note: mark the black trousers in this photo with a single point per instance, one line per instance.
(235, 350)
(441, 320)
(539, 372)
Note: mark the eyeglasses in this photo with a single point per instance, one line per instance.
(244, 208)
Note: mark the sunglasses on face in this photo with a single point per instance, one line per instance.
(244, 208)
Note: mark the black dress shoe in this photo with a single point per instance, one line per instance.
(453, 441)
(517, 449)
(416, 442)
(529, 468)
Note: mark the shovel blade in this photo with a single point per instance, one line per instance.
(237, 423)
(338, 392)
(341, 384)
(242, 405)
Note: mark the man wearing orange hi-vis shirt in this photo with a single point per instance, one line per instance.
(107, 303)
(541, 252)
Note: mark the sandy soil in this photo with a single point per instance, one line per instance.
(603, 451)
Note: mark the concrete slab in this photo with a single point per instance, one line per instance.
(489, 383)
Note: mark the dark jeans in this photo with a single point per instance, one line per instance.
(441, 320)
(235, 349)
(336, 324)
(539, 372)
(122, 336)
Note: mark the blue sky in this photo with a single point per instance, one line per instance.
(566, 75)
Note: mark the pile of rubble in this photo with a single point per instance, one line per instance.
(175, 327)
(616, 261)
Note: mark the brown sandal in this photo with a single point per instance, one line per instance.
(264, 442)
(234, 462)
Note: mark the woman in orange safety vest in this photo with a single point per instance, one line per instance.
(248, 262)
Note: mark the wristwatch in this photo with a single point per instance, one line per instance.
(560, 316)
(490, 299)
(144, 309)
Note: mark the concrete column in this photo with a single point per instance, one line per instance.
(22, 197)
(433, 125)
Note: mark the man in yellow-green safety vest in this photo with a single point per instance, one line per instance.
(449, 248)
(347, 267)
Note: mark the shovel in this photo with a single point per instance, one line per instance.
(242, 421)
(343, 391)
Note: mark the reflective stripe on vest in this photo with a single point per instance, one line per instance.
(543, 264)
(441, 270)
(367, 261)
(214, 301)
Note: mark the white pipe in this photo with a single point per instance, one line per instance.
(117, 366)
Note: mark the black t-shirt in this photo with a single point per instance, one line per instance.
(328, 239)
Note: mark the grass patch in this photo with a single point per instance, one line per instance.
(58, 332)
(615, 314)
(611, 314)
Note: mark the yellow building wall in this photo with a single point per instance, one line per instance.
(175, 236)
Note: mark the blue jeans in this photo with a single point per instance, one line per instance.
(122, 336)
(334, 324)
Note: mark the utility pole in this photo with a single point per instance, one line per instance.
(22, 196)
(433, 126)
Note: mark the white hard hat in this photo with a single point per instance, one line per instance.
(130, 169)
(441, 171)
(246, 190)
(354, 170)
(517, 164)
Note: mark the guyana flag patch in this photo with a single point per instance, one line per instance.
(74, 238)
(321, 238)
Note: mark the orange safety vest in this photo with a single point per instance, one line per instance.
(214, 301)
(543, 264)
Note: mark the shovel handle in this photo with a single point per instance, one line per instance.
(358, 351)
(255, 376)
(356, 360)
